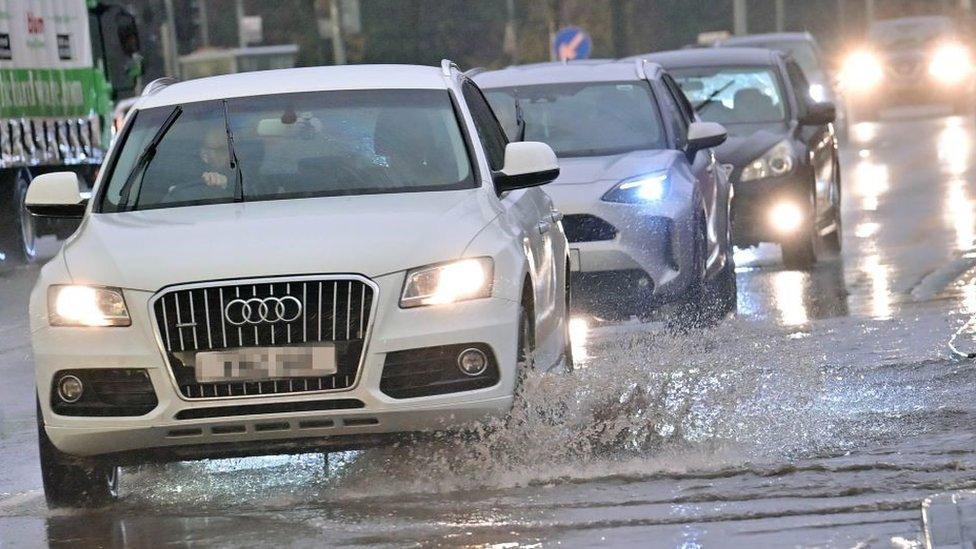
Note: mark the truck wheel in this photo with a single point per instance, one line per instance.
(72, 481)
(723, 291)
(18, 235)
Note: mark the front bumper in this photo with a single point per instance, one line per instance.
(912, 91)
(492, 322)
(648, 257)
(753, 202)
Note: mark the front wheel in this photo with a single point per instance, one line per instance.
(18, 232)
(71, 481)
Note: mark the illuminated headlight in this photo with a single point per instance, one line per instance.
(786, 217)
(86, 306)
(448, 282)
(776, 162)
(862, 71)
(818, 93)
(950, 64)
(644, 188)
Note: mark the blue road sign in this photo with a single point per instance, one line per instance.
(572, 43)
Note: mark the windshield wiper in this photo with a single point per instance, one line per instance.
(234, 163)
(714, 94)
(146, 156)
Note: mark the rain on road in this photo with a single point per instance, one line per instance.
(823, 415)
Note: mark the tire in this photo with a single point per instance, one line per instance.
(834, 241)
(525, 346)
(801, 252)
(723, 291)
(691, 311)
(569, 363)
(18, 231)
(72, 481)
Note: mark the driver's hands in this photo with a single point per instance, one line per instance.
(215, 179)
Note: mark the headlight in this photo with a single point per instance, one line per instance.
(86, 306)
(950, 64)
(644, 188)
(775, 162)
(448, 282)
(862, 71)
(818, 93)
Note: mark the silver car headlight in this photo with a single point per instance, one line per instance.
(649, 187)
(448, 282)
(775, 162)
(71, 305)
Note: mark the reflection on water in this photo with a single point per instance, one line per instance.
(579, 330)
(878, 275)
(788, 295)
(954, 145)
(871, 180)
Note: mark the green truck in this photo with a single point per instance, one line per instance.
(63, 63)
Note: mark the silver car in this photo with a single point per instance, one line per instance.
(645, 204)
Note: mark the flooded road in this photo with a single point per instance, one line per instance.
(822, 416)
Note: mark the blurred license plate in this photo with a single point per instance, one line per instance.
(263, 363)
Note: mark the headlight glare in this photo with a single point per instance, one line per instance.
(643, 188)
(86, 306)
(448, 282)
(818, 93)
(861, 71)
(950, 63)
(775, 162)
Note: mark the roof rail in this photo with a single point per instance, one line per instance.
(158, 84)
(447, 65)
(471, 73)
(639, 67)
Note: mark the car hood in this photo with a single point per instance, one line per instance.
(741, 148)
(581, 170)
(369, 235)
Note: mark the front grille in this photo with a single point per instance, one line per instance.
(192, 320)
(587, 228)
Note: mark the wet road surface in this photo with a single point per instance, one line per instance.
(822, 416)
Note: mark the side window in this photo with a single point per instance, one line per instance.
(682, 100)
(801, 88)
(673, 117)
(490, 132)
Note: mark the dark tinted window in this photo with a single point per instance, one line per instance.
(800, 85)
(489, 130)
(673, 115)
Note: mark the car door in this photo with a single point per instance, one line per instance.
(531, 211)
(704, 166)
(819, 142)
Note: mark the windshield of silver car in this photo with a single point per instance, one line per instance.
(733, 95)
(289, 146)
(583, 119)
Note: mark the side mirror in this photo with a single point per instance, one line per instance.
(527, 164)
(55, 195)
(819, 114)
(705, 135)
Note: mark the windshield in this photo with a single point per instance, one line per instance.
(583, 119)
(733, 95)
(291, 146)
(909, 33)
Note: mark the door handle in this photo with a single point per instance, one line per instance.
(543, 226)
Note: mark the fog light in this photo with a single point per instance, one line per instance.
(786, 217)
(70, 388)
(472, 362)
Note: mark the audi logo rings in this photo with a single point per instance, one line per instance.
(263, 309)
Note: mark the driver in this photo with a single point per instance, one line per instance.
(216, 159)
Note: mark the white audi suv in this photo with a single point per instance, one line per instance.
(297, 260)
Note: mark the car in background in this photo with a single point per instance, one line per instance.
(645, 204)
(805, 50)
(911, 60)
(781, 153)
(290, 261)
